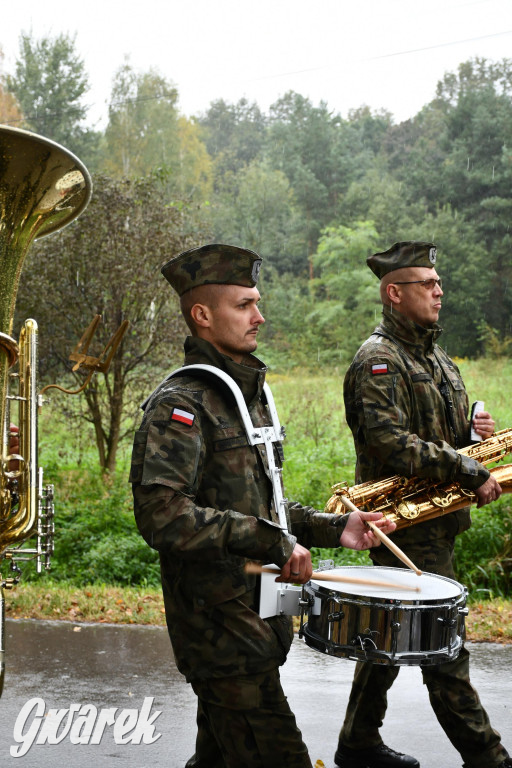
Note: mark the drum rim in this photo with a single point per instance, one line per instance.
(414, 598)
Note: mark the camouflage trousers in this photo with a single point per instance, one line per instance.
(246, 721)
(455, 702)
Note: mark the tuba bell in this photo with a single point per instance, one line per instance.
(43, 187)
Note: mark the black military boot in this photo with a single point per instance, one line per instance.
(373, 757)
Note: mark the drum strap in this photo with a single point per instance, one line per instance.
(266, 435)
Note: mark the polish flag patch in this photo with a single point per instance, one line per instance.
(379, 368)
(184, 416)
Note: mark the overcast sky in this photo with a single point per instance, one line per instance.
(384, 53)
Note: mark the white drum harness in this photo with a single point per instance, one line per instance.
(267, 435)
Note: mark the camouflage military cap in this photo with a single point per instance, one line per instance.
(406, 254)
(213, 263)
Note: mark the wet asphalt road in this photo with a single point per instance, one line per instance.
(110, 666)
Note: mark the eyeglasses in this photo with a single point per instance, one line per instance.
(428, 284)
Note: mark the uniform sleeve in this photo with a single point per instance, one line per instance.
(383, 403)
(167, 464)
(316, 529)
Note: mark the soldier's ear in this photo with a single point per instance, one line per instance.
(200, 314)
(393, 293)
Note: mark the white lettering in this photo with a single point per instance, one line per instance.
(26, 740)
(125, 722)
(51, 723)
(83, 725)
(144, 729)
(129, 727)
(105, 717)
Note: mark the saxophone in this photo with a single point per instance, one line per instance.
(43, 187)
(411, 500)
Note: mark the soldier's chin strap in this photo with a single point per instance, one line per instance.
(267, 435)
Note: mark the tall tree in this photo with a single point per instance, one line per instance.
(107, 263)
(347, 302)
(477, 104)
(300, 143)
(256, 209)
(378, 196)
(234, 135)
(321, 154)
(143, 117)
(50, 83)
(146, 132)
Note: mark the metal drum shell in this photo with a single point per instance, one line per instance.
(409, 629)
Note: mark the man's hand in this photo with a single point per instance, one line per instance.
(483, 424)
(489, 491)
(357, 535)
(299, 568)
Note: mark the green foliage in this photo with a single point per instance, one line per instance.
(255, 208)
(234, 135)
(50, 84)
(346, 292)
(96, 538)
(495, 347)
(483, 555)
(142, 132)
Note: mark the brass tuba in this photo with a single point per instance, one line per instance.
(43, 187)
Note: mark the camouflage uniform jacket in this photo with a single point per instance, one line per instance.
(203, 499)
(400, 420)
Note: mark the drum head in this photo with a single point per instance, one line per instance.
(406, 585)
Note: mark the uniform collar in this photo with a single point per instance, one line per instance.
(408, 332)
(249, 375)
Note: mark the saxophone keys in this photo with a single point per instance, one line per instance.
(408, 510)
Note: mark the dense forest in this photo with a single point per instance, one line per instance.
(312, 192)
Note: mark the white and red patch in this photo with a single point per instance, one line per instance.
(378, 368)
(178, 414)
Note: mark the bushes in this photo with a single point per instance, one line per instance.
(483, 555)
(96, 539)
(122, 560)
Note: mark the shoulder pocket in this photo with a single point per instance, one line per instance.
(380, 404)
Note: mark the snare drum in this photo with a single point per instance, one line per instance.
(384, 625)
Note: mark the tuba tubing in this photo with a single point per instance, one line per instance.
(43, 187)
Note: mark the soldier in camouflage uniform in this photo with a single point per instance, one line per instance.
(408, 411)
(203, 499)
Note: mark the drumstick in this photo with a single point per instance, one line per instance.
(321, 576)
(382, 536)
